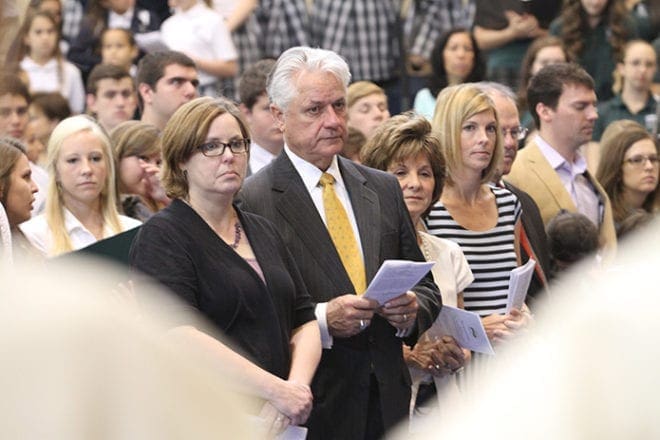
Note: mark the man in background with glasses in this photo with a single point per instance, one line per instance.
(533, 240)
(550, 168)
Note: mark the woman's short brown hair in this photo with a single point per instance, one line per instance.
(404, 136)
(185, 131)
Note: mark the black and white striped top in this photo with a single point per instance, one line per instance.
(491, 254)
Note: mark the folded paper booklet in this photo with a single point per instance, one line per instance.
(464, 326)
(396, 277)
(519, 281)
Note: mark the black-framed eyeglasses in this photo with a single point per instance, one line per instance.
(518, 133)
(640, 160)
(217, 148)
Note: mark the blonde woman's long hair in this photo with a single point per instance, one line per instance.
(54, 200)
(454, 105)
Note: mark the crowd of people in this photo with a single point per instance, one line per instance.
(264, 182)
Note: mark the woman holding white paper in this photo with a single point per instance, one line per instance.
(405, 146)
(484, 220)
(229, 265)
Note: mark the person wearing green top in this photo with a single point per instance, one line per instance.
(634, 78)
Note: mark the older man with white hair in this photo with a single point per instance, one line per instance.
(340, 221)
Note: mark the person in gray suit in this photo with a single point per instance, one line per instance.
(362, 386)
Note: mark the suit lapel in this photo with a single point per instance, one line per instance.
(295, 205)
(366, 207)
(539, 165)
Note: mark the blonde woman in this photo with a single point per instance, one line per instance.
(484, 220)
(81, 200)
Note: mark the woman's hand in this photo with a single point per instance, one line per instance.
(294, 400)
(274, 421)
(495, 327)
(447, 356)
(419, 356)
(503, 327)
(155, 189)
(519, 320)
(439, 357)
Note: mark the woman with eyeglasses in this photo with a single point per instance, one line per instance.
(629, 169)
(231, 266)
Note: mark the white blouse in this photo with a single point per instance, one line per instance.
(199, 32)
(48, 78)
(451, 272)
(38, 232)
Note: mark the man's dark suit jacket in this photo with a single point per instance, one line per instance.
(341, 383)
(532, 223)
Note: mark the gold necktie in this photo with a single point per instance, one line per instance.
(342, 234)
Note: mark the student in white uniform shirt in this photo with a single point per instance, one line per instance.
(39, 56)
(198, 31)
(81, 202)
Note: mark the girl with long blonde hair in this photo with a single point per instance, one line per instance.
(81, 200)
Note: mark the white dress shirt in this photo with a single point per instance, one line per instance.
(259, 157)
(199, 32)
(310, 176)
(48, 78)
(120, 21)
(38, 232)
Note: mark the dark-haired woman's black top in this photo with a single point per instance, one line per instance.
(179, 250)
